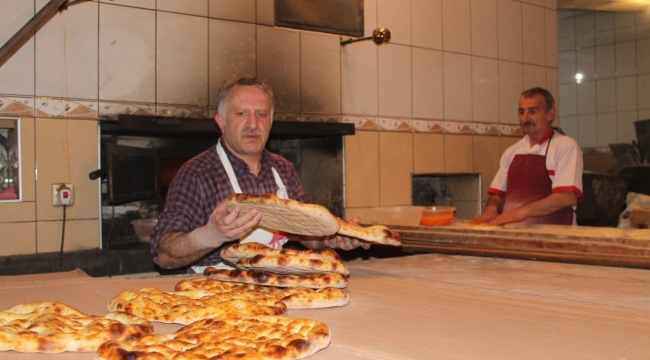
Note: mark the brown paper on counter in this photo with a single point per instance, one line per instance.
(437, 307)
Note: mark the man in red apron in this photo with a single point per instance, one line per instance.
(540, 177)
(195, 225)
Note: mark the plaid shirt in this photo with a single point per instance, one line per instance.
(202, 183)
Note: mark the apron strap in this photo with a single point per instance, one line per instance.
(228, 167)
(548, 145)
(282, 190)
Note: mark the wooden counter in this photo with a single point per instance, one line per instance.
(433, 307)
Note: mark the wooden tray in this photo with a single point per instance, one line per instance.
(572, 244)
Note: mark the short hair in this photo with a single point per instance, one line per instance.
(243, 80)
(548, 97)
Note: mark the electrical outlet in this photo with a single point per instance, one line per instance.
(62, 194)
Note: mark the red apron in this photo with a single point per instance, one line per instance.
(528, 181)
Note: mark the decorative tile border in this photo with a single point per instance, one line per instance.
(330, 118)
(453, 127)
(432, 126)
(111, 110)
(87, 109)
(66, 108)
(362, 123)
(182, 111)
(284, 116)
(16, 105)
(396, 125)
(484, 129)
(510, 130)
(429, 126)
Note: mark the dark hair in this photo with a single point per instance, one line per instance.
(243, 80)
(532, 92)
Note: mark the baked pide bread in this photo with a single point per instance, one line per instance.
(52, 327)
(185, 307)
(229, 337)
(293, 298)
(287, 214)
(377, 234)
(255, 256)
(313, 281)
(235, 252)
(294, 217)
(290, 265)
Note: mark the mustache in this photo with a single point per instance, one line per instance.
(252, 132)
(528, 123)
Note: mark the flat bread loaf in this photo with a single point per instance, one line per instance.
(286, 214)
(185, 307)
(313, 281)
(255, 256)
(293, 298)
(52, 327)
(231, 337)
(235, 252)
(377, 234)
(291, 265)
(308, 219)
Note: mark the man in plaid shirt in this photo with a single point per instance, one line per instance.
(195, 224)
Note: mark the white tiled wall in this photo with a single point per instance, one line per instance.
(442, 92)
(69, 34)
(127, 53)
(17, 74)
(611, 51)
(181, 64)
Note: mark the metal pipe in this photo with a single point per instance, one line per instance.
(379, 36)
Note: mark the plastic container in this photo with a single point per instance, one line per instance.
(437, 216)
(143, 228)
(395, 215)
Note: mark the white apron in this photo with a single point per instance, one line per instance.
(275, 241)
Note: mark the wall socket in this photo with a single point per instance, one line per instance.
(62, 194)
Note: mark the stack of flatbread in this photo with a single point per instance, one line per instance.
(299, 278)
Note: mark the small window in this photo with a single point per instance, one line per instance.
(344, 17)
(10, 188)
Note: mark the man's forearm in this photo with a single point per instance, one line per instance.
(551, 204)
(491, 210)
(494, 203)
(180, 249)
(314, 244)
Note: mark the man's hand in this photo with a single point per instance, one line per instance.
(231, 225)
(546, 206)
(508, 217)
(347, 243)
(491, 211)
(180, 249)
(486, 217)
(338, 241)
